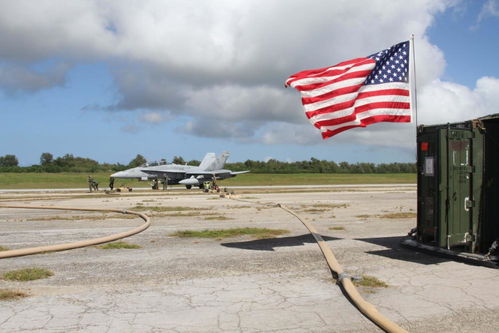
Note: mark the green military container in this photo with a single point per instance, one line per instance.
(458, 185)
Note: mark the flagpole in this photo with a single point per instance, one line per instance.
(414, 97)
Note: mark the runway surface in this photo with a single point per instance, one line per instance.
(237, 284)
(232, 187)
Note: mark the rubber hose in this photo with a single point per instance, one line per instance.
(365, 307)
(74, 245)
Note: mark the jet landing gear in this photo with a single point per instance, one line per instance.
(156, 182)
(190, 186)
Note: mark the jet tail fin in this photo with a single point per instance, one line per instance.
(221, 160)
(212, 162)
(208, 160)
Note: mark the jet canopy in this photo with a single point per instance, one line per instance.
(154, 163)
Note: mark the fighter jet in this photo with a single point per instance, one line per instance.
(209, 169)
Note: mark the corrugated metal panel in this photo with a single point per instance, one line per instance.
(451, 204)
(458, 184)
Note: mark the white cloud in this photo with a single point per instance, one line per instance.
(154, 117)
(442, 102)
(197, 41)
(284, 133)
(240, 103)
(438, 102)
(381, 134)
(221, 64)
(489, 9)
(15, 78)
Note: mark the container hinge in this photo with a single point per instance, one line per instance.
(469, 237)
(468, 203)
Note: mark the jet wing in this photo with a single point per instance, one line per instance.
(156, 171)
(216, 173)
(208, 173)
(238, 172)
(173, 173)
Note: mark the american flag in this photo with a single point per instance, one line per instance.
(357, 92)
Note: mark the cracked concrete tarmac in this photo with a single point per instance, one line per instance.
(238, 284)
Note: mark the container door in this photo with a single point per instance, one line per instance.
(459, 196)
(428, 186)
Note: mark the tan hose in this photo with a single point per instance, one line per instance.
(365, 307)
(68, 246)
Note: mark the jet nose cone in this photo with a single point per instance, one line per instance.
(117, 174)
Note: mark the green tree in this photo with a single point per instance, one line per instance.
(8, 161)
(178, 160)
(137, 161)
(46, 159)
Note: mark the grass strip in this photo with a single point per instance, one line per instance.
(9, 295)
(27, 274)
(337, 228)
(217, 217)
(370, 282)
(344, 205)
(15, 180)
(400, 215)
(259, 233)
(314, 210)
(81, 217)
(163, 208)
(119, 245)
(3, 248)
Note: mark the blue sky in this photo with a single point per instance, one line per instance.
(183, 78)
(470, 46)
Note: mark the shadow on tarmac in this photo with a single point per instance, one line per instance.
(396, 251)
(269, 244)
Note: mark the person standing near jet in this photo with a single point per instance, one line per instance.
(92, 184)
(165, 182)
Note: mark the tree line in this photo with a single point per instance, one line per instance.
(70, 163)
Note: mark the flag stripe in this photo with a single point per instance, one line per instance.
(357, 92)
(314, 116)
(342, 102)
(354, 96)
(327, 133)
(396, 106)
(323, 71)
(370, 113)
(313, 85)
(307, 83)
(342, 88)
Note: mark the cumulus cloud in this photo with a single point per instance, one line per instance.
(221, 64)
(284, 133)
(438, 102)
(381, 134)
(155, 117)
(442, 102)
(235, 102)
(489, 9)
(214, 128)
(15, 78)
